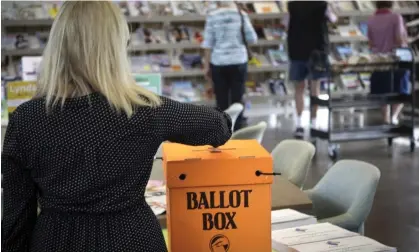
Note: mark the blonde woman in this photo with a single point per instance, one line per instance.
(84, 147)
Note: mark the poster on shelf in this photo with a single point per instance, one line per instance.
(19, 92)
(150, 81)
(30, 67)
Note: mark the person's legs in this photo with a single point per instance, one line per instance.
(221, 86)
(396, 109)
(238, 76)
(315, 91)
(298, 73)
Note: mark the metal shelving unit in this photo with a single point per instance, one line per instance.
(388, 131)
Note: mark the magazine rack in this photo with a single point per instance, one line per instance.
(389, 131)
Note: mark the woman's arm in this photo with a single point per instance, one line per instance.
(400, 32)
(19, 203)
(191, 124)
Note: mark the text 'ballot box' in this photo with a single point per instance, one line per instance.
(218, 200)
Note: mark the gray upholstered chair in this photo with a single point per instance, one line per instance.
(292, 158)
(344, 196)
(234, 111)
(251, 132)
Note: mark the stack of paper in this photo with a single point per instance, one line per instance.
(155, 196)
(288, 218)
(348, 244)
(284, 239)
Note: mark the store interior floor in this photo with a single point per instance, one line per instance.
(394, 219)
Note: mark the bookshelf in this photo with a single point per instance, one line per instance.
(261, 73)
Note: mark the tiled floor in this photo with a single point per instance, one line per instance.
(394, 219)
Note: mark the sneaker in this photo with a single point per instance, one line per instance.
(299, 133)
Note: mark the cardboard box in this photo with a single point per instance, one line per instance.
(218, 200)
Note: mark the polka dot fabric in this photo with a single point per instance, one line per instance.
(88, 167)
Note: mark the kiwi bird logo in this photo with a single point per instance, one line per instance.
(219, 243)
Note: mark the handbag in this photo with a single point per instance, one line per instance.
(249, 53)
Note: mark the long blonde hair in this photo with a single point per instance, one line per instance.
(87, 52)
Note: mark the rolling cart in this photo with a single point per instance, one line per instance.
(405, 60)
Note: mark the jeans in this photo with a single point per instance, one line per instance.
(229, 87)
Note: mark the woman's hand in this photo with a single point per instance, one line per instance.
(207, 73)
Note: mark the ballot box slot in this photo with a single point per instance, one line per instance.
(259, 173)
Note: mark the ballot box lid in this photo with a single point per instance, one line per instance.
(233, 149)
(236, 162)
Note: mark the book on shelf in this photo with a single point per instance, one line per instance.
(274, 33)
(266, 7)
(184, 91)
(277, 56)
(342, 6)
(160, 8)
(289, 218)
(138, 8)
(254, 88)
(350, 81)
(365, 5)
(205, 7)
(191, 60)
(277, 87)
(349, 31)
(155, 196)
(19, 92)
(284, 239)
(183, 8)
(153, 36)
(178, 34)
(30, 67)
(347, 244)
(283, 5)
(365, 79)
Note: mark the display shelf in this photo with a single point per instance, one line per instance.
(200, 72)
(344, 39)
(182, 45)
(360, 101)
(358, 13)
(365, 133)
(139, 19)
(139, 48)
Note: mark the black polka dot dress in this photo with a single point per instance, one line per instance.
(88, 167)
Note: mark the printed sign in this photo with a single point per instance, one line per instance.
(218, 200)
(19, 92)
(150, 81)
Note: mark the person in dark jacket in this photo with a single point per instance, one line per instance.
(308, 47)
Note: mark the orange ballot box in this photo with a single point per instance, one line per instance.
(218, 200)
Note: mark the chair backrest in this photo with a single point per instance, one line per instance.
(234, 111)
(347, 187)
(251, 132)
(292, 158)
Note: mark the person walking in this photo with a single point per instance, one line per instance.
(308, 48)
(84, 146)
(386, 32)
(227, 33)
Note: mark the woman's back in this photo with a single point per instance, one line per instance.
(90, 166)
